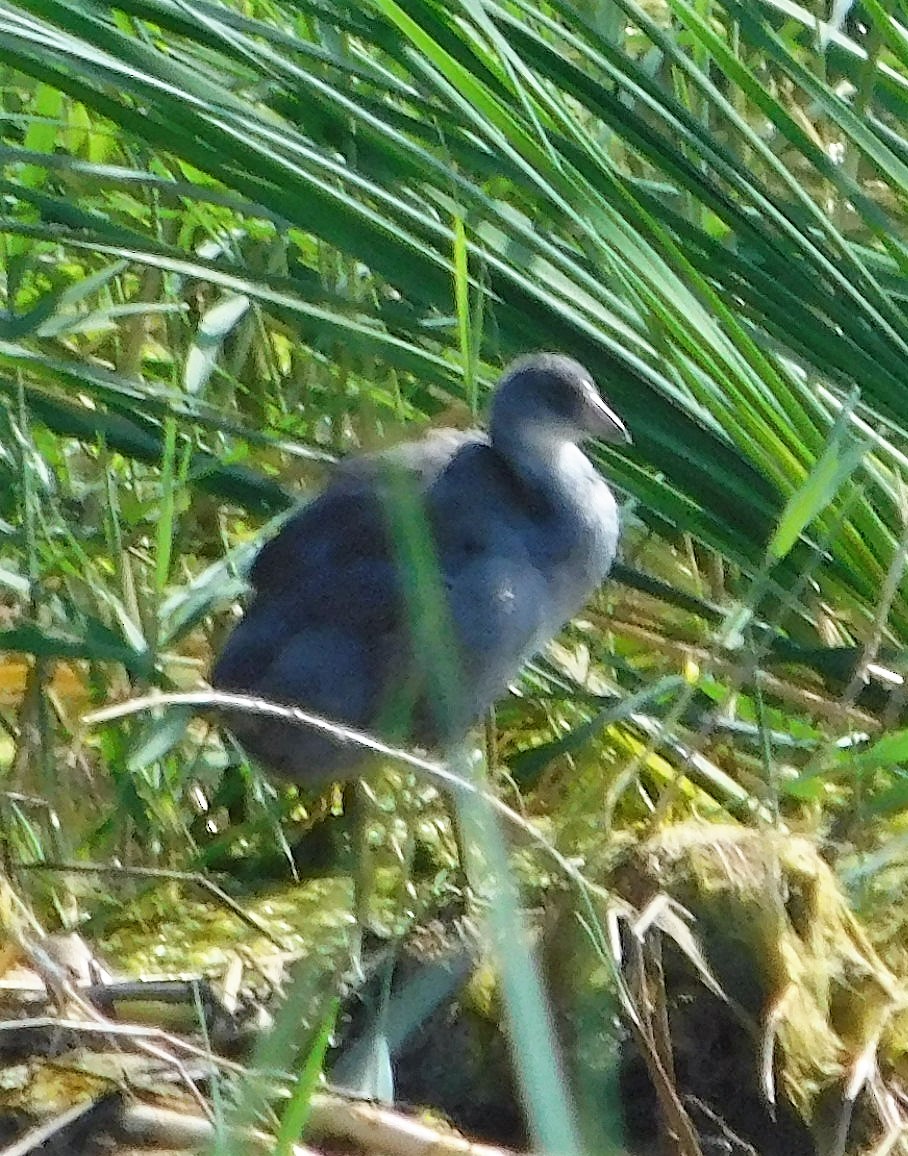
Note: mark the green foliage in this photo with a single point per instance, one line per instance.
(238, 240)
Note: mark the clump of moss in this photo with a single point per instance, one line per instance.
(807, 996)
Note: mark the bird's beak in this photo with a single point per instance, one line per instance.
(602, 422)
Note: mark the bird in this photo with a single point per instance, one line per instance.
(407, 595)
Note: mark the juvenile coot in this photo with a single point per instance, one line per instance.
(515, 529)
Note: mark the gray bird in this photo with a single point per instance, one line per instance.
(405, 598)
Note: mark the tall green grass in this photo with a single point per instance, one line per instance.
(239, 240)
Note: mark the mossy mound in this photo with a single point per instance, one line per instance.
(778, 1027)
(812, 1020)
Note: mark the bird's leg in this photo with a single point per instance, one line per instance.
(458, 758)
(536, 1050)
(491, 739)
(359, 804)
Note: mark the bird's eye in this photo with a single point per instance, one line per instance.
(560, 401)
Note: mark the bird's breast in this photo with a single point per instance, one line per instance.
(579, 537)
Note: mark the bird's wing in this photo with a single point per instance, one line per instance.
(321, 540)
(498, 595)
(348, 522)
(328, 626)
(320, 631)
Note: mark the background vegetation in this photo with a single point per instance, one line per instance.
(239, 240)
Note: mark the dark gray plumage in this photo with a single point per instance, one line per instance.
(523, 530)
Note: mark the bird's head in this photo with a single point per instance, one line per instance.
(549, 398)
